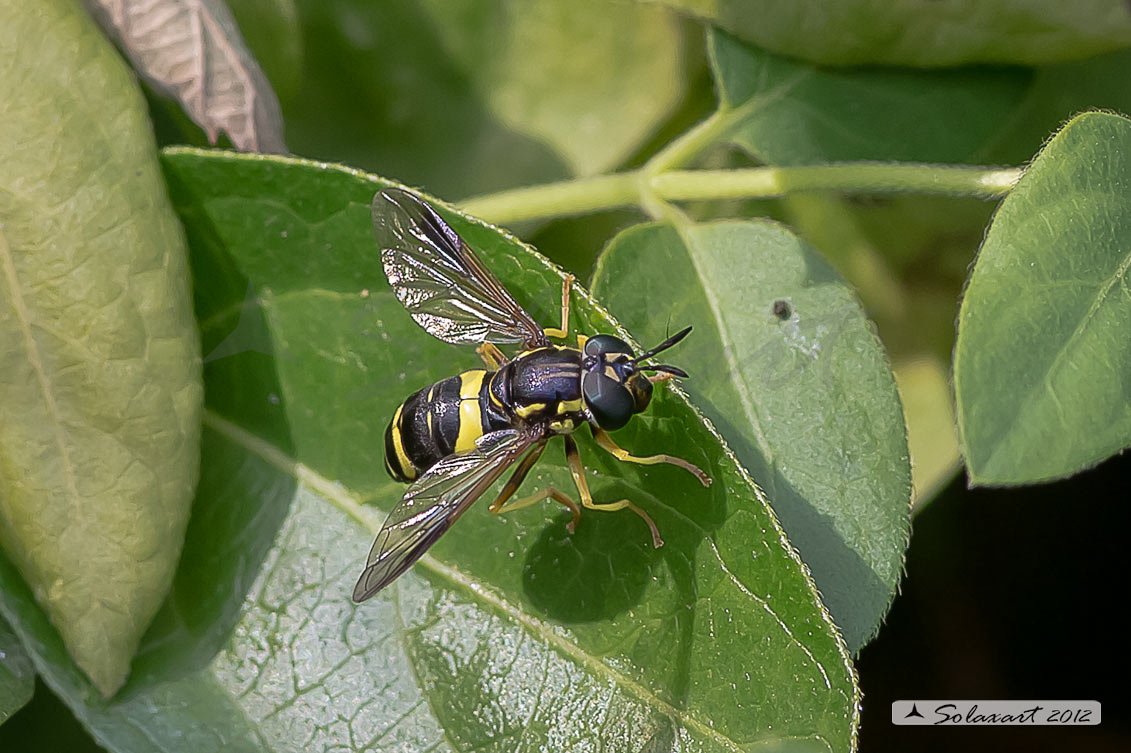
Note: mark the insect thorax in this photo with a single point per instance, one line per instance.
(544, 385)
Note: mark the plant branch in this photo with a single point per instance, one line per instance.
(644, 188)
(861, 178)
(556, 199)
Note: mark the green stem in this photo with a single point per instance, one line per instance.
(870, 178)
(688, 145)
(646, 188)
(556, 199)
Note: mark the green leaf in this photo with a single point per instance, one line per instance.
(785, 363)
(1058, 92)
(470, 97)
(595, 108)
(786, 112)
(511, 633)
(17, 676)
(99, 357)
(1042, 358)
(922, 34)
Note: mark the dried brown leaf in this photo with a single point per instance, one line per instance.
(192, 50)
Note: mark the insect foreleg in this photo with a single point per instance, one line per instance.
(567, 283)
(577, 469)
(605, 442)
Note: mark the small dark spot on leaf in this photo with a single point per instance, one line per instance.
(782, 309)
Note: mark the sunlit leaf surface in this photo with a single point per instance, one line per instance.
(784, 362)
(512, 634)
(99, 358)
(1042, 358)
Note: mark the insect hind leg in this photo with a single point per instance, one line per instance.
(567, 283)
(550, 492)
(504, 503)
(577, 470)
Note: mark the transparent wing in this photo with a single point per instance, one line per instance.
(434, 502)
(439, 280)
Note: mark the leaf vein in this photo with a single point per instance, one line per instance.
(345, 501)
(23, 316)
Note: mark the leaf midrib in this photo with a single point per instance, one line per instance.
(742, 389)
(342, 499)
(23, 316)
(1070, 345)
(1024, 405)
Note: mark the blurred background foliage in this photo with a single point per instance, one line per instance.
(468, 97)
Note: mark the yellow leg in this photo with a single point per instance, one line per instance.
(577, 470)
(491, 355)
(605, 442)
(547, 493)
(502, 505)
(661, 377)
(567, 283)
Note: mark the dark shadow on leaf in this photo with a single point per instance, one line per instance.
(591, 575)
(595, 573)
(605, 568)
(847, 584)
(663, 739)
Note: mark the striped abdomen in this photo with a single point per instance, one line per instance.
(438, 421)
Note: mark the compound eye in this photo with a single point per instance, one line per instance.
(606, 344)
(609, 402)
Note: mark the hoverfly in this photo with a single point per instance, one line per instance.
(454, 439)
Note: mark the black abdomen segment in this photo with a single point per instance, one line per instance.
(438, 421)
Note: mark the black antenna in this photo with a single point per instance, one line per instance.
(664, 345)
(666, 369)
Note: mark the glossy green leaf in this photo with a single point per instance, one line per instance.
(786, 365)
(99, 357)
(512, 634)
(922, 34)
(470, 97)
(17, 676)
(785, 112)
(1042, 359)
